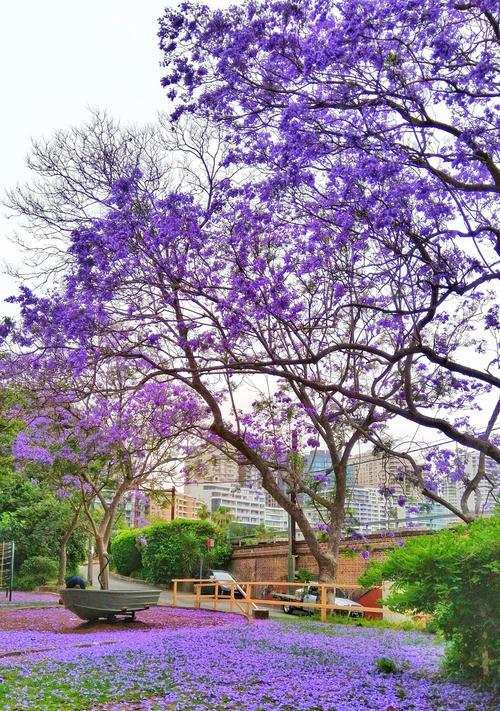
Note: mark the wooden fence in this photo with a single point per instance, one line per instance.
(250, 602)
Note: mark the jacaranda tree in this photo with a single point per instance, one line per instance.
(97, 440)
(348, 263)
(372, 126)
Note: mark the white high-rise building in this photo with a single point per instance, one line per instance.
(275, 517)
(246, 506)
(489, 486)
(370, 508)
(210, 464)
(374, 471)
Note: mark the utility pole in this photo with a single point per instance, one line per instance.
(291, 544)
(172, 504)
(292, 529)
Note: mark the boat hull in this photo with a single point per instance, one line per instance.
(97, 604)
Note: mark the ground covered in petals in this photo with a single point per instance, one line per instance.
(29, 598)
(186, 660)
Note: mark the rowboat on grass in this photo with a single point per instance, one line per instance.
(108, 604)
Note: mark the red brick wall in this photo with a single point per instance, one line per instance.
(269, 561)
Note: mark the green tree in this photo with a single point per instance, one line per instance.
(203, 512)
(454, 576)
(30, 513)
(222, 519)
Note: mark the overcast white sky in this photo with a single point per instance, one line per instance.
(60, 57)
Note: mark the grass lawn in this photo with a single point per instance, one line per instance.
(28, 599)
(204, 661)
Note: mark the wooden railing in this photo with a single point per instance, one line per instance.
(248, 602)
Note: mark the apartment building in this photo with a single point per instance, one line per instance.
(210, 464)
(373, 470)
(173, 504)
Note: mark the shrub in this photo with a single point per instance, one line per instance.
(386, 665)
(174, 549)
(303, 576)
(453, 575)
(39, 569)
(72, 568)
(125, 552)
(25, 583)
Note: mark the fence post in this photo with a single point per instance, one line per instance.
(216, 594)
(174, 593)
(231, 599)
(197, 601)
(248, 590)
(323, 602)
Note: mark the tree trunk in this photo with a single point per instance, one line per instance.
(90, 562)
(62, 562)
(63, 554)
(103, 561)
(102, 531)
(327, 564)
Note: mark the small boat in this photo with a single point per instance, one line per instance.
(108, 604)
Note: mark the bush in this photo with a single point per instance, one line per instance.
(38, 569)
(125, 552)
(386, 665)
(25, 583)
(174, 550)
(453, 575)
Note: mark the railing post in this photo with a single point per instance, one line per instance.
(323, 602)
(197, 601)
(216, 595)
(174, 594)
(231, 599)
(248, 591)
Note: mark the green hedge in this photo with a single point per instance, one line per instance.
(126, 552)
(168, 550)
(35, 571)
(174, 549)
(453, 575)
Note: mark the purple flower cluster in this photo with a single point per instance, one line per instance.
(252, 666)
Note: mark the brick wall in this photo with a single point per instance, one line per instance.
(269, 561)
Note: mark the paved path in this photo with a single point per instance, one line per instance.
(116, 583)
